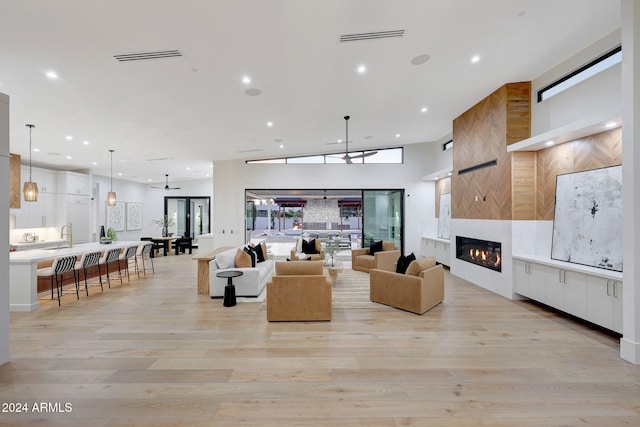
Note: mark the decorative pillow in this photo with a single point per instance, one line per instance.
(226, 259)
(309, 247)
(403, 263)
(251, 254)
(258, 249)
(418, 265)
(242, 259)
(375, 246)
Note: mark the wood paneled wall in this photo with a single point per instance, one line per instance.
(482, 134)
(523, 185)
(14, 181)
(443, 186)
(592, 152)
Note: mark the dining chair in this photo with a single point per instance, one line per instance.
(88, 260)
(56, 272)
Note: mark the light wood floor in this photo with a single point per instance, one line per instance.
(155, 353)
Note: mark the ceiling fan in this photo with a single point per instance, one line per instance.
(348, 158)
(166, 187)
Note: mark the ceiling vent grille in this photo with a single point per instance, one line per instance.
(125, 57)
(371, 36)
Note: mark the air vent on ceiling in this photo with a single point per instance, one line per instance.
(158, 159)
(125, 57)
(249, 151)
(371, 36)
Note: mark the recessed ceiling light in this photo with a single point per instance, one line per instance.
(69, 138)
(611, 125)
(188, 168)
(69, 157)
(37, 150)
(420, 59)
(52, 75)
(362, 69)
(397, 135)
(246, 80)
(339, 141)
(475, 59)
(119, 173)
(94, 163)
(85, 142)
(423, 110)
(549, 143)
(281, 145)
(270, 124)
(149, 180)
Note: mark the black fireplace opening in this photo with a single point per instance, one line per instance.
(484, 253)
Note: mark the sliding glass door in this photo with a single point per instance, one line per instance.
(383, 216)
(191, 215)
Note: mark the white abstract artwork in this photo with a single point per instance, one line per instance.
(587, 225)
(115, 216)
(444, 219)
(134, 216)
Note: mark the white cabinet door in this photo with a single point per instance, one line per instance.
(78, 217)
(575, 293)
(73, 183)
(521, 276)
(617, 306)
(554, 287)
(48, 211)
(537, 289)
(599, 301)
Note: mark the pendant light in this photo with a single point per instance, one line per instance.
(30, 189)
(111, 197)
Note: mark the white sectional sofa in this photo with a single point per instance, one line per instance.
(250, 284)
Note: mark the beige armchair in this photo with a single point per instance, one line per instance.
(385, 260)
(296, 255)
(299, 291)
(417, 291)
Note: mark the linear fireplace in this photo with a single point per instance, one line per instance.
(481, 252)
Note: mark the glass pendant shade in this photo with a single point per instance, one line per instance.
(111, 198)
(30, 191)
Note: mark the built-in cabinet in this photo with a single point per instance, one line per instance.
(438, 248)
(41, 213)
(73, 204)
(73, 183)
(584, 294)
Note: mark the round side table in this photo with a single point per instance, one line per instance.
(230, 289)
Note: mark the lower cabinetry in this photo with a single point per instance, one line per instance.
(438, 248)
(587, 296)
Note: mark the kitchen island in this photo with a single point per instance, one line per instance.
(23, 270)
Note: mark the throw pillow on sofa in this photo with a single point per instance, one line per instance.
(375, 246)
(242, 259)
(251, 254)
(403, 263)
(309, 247)
(261, 251)
(418, 265)
(226, 259)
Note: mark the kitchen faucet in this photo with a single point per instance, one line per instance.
(69, 233)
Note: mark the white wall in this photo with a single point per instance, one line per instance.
(597, 95)
(232, 177)
(4, 230)
(152, 200)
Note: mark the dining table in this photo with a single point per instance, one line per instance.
(165, 242)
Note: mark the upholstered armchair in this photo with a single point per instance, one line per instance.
(418, 290)
(299, 291)
(385, 259)
(299, 249)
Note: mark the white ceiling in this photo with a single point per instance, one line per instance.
(193, 110)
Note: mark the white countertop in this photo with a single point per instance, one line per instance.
(21, 257)
(600, 272)
(38, 243)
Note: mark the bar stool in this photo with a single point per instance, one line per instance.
(144, 252)
(88, 260)
(127, 255)
(109, 257)
(60, 266)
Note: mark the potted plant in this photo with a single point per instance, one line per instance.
(331, 247)
(164, 222)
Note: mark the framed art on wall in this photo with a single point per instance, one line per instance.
(134, 216)
(115, 216)
(444, 217)
(587, 224)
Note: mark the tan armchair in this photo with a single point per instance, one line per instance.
(417, 291)
(299, 291)
(385, 260)
(320, 255)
